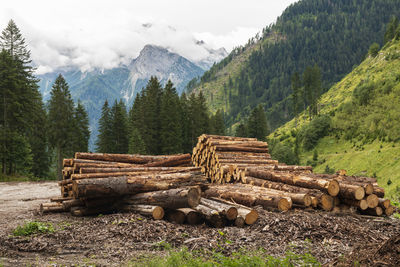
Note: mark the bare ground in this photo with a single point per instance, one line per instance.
(111, 240)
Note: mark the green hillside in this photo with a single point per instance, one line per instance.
(364, 114)
(335, 35)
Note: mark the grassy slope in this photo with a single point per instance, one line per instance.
(340, 153)
(214, 90)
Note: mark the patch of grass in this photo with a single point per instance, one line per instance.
(184, 257)
(34, 227)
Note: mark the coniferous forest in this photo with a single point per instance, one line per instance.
(35, 136)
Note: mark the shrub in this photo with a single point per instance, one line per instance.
(30, 228)
(363, 93)
(318, 128)
(374, 50)
(284, 153)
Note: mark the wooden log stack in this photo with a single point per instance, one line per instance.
(155, 186)
(226, 159)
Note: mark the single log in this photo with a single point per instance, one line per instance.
(373, 201)
(220, 137)
(325, 202)
(384, 203)
(241, 149)
(248, 197)
(351, 191)
(68, 204)
(134, 173)
(361, 204)
(126, 158)
(248, 161)
(79, 166)
(172, 198)
(379, 191)
(377, 211)
(60, 199)
(102, 202)
(175, 216)
(254, 144)
(389, 211)
(171, 161)
(330, 186)
(245, 214)
(240, 155)
(115, 186)
(51, 207)
(230, 212)
(138, 169)
(84, 211)
(156, 212)
(211, 215)
(192, 216)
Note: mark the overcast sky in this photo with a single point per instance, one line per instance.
(102, 34)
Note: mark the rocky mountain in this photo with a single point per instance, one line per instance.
(94, 87)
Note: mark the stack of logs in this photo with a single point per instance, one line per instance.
(259, 180)
(158, 186)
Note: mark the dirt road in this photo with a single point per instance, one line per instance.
(112, 240)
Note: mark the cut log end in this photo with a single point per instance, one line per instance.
(158, 213)
(284, 204)
(363, 204)
(369, 189)
(389, 211)
(194, 195)
(359, 193)
(333, 188)
(326, 202)
(251, 217)
(239, 222)
(231, 213)
(372, 201)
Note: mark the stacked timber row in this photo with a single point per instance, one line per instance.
(159, 186)
(266, 182)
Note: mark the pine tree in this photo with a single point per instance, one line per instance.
(61, 121)
(391, 29)
(257, 126)
(104, 138)
(136, 143)
(12, 41)
(119, 129)
(81, 134)
(217, 123)
(151, 116)
(171, 127)
(186, 122)
(296, 85)
(241, 130)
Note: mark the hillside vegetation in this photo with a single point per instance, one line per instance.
(362, 116)
(335, 35)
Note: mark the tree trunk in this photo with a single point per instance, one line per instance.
(245, 214)
(212, 216)
(117, 186)
(171, 161)
(138, 169)
(192, 216)
(156, 212)
(173, 198)
(229, 211)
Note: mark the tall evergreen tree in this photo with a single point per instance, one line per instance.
(186, 123)
(151, 119)
(241, 130)
(104, 138)
(119, 130)
(136, 143)
(61, 121)
(81, 134)
(312, 88)
(23, 114)
(217, 123)
(296, 86)
(171, 127)
(257, 126)
(391, 29)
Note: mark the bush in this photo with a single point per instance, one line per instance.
(329, 170)
(363, 93)
(318, 128)
(284, 153)
(374, 50)
(30, 228)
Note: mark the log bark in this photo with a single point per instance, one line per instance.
(126, 158)
(171, 161)
(51, 207)
(175, 216)
(192, 216)
(361, 204)
(384, 203)
(156, 212)
(229, 211)
(68, 204)
(84, 211)
(173, 198)
(241, 149)
(245, 214)
(389, 211)
(138, 169)
(329, 186)
(248, 197)
(117, 186)
(377, 211)
(351, 191)
(212, 216)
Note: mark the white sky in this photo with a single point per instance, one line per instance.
(102, 34)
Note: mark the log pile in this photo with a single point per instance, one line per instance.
(157, 186)
(259, 180)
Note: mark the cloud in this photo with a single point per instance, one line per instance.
(104, 34)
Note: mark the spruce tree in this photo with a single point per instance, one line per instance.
(104, 138)
(391, 29)
(241, 130)
(257, 126)
(136, 143)
(12, 41)
(186, 122)
(81, 133)
(151, 116)
(296, 85)
(171, 127)
(217, 123)
(61, 121)
(119, 129)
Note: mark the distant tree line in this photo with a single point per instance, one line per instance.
(33, 135)
(159, 122)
